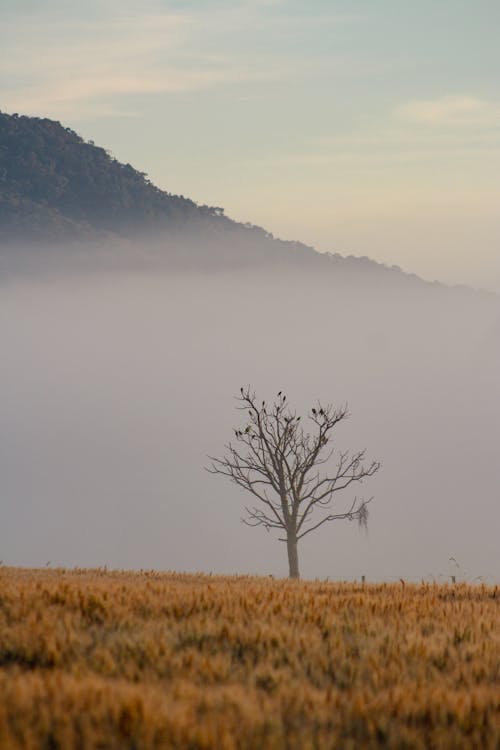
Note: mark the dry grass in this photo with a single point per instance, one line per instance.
(96, 659)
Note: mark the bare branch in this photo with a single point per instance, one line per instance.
(354, 513)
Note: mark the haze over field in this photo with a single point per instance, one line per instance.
(116, 386)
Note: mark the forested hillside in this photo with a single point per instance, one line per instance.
(57, 189)
(53, 184)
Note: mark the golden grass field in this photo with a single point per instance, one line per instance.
(97, 659)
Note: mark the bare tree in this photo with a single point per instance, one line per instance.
(277, 461)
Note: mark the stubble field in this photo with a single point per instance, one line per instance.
(98, 659)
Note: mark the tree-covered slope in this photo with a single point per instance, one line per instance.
(54, 185)
(57, 188)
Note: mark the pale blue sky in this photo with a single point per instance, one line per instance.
(365, 127)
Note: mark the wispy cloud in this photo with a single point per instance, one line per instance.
(400, 141)
(450, 110)
(411, 133)
(102, 94)
(98, 63)
(76, 67)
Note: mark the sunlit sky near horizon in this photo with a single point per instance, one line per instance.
(363, 127)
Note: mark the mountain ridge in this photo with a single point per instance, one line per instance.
(58, 189)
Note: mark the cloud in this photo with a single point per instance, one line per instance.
(102, 94)
(450, 127)
(398, 140)
(68, 62)
(450, 110)
(82, 67)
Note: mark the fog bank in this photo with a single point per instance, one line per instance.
(116, 386)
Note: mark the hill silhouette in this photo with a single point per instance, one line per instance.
(56, 188)
(55, 185)
(64, 200)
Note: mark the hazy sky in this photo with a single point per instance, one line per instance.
(361, 127)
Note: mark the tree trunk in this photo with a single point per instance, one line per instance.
(293, 556)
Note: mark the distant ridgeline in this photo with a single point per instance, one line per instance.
(55, 185)
(56, 189)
